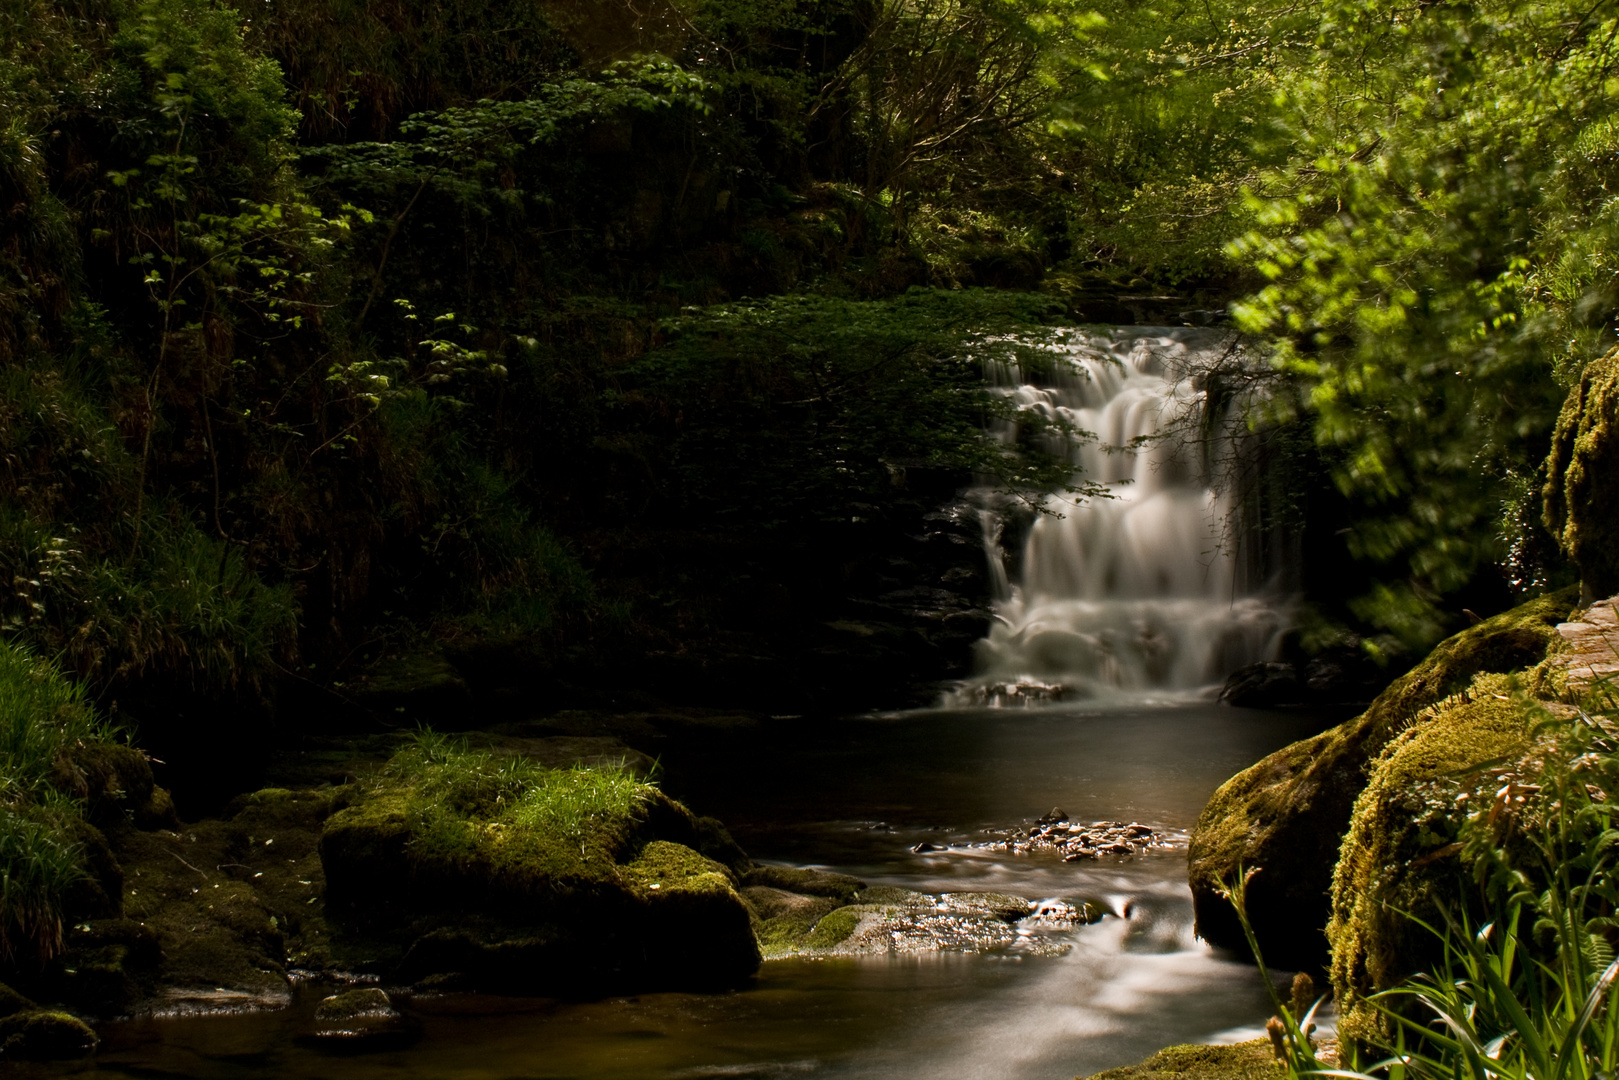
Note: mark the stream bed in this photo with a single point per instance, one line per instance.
(856, 795)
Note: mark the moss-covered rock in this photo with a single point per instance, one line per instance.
(805, 880)
(42, 1035)
(1253, 1060)
(1286, 816)
(364, 1017)
(1582, 470)
(1399, 858)
(585, 880)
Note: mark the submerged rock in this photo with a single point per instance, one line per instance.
(361, 1017)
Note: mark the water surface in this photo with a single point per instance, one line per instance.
(855, 795)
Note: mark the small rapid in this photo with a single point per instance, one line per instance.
(1149, 578)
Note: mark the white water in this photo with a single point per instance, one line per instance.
(1148, 588)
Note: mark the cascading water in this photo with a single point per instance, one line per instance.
(1141, 586)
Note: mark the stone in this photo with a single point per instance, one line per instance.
(1582, 470)
(43, 1035)
(1590, 648)
(1284, 818)
(364, 1016)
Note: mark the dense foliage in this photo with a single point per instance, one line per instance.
(313, 332)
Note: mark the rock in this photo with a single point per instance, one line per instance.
(596, 897)
(1285, 817)
(1056, 815)
(1399, 858)
(365, 1016)
(810, 882)
(1589, 645)
(1337, 676)
(924, 847)
(1254, 1060)
(1263, 686)
(1582, 486)
(41, 1035)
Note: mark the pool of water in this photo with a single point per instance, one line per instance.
(855, 795)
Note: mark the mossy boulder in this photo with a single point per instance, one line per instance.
(44, 1035)
(363, 1018)
(1400, 857)
(1254, 1060)
(1286, 817)
(559, 881)
(1582, 470)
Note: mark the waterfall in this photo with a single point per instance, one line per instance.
(1147, 585)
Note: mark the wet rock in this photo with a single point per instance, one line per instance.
(365, 1016)
(1263, 685)
(1055, 816)
(1075, 842)
(924, 847)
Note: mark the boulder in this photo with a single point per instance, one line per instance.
(1285, 818)
(43, 1035)
(1582, 470)
(586, 880)
(1401, 855)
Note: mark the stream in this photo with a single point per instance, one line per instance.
(1128, 610)
(855, 795)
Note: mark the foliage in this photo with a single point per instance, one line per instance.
(1433, 250)
(802, 409)
(43, 715)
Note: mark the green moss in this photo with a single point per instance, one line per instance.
(548, 853)
(1398, 855)
(1253, 1060)
(783, 920)
(1286, 816)
(12, 1002)
(1582, 470)
(835, 927)
(41, 1035)
(808, 882)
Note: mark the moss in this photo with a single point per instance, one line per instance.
(40, 1035)
(12, 1002)
(835, 927)
(1398, 855)
(1253, 1060)
(809, 882)
(352, 1004)
(549, 853)
(1287, 814)
(1582, 470)
(784, 919)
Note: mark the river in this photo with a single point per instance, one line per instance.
(855, 795)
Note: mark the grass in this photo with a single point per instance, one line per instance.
(459, 787)
(43, 716)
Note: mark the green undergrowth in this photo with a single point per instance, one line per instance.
(44, 717)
